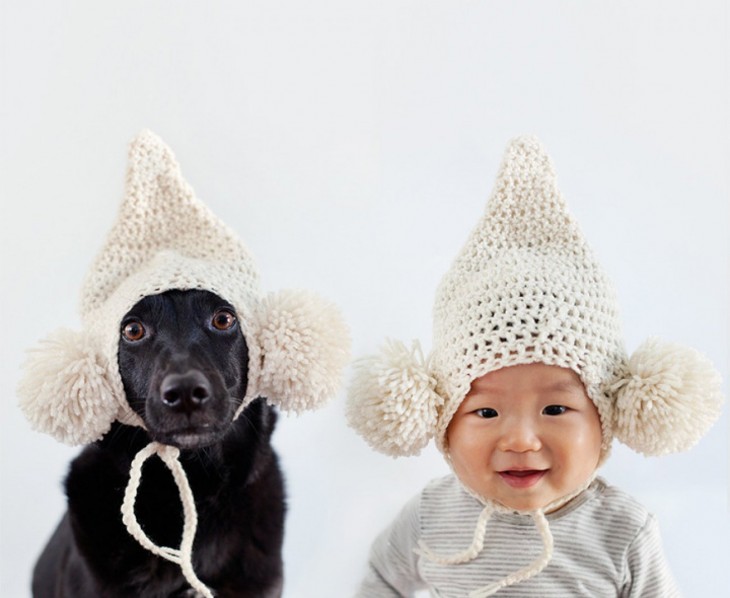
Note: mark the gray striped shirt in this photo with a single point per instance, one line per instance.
(606, 544)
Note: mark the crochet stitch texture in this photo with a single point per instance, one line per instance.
(527, 288)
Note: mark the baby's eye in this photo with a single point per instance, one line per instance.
(486, 412)
(554, 410)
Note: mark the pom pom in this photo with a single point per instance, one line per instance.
(305, 345)
(392, 401)
(667, 400)
(65, 390)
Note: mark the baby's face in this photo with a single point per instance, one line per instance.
(525, 436)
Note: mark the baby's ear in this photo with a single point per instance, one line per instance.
(667, 399)
(392, 401)
(304, 346)
(66, 391)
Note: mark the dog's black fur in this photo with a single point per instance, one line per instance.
(185, 376)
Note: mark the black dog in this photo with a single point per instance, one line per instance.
(183, 361)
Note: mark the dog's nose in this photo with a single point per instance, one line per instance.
(185, 392)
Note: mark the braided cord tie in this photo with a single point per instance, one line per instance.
(477, 544)
(180, 556)
(468, 554)
(530, 570)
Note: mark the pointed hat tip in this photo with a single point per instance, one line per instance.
(526, 144)
(149, 149)
(146, 133)
(146, 139)
(524, 155)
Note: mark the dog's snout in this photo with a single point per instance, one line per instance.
(186, 391)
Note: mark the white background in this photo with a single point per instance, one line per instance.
(353, 145)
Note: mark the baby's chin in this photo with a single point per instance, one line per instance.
(525, 492)
(528, 506)
(531, 506)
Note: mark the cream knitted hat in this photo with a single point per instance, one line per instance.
(526, 288)
(165, 238)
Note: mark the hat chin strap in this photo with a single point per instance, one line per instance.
(478, 544)
(480, 530)
(181, 556)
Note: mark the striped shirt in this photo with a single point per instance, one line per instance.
(605, 544)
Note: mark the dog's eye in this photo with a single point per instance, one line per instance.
(223, 319)
(133, 331)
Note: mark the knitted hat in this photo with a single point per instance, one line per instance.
(165, 238)
(526, 288)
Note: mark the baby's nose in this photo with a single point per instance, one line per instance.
(519, 437)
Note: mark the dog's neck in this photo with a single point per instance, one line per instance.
(232, 456)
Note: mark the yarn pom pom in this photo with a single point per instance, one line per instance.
(65, 391)
(392, 402)
(668, 399)
(305, 345)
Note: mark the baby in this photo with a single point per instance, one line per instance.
(526, 386)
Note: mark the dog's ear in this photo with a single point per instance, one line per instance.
(304, 346)
(66, 390)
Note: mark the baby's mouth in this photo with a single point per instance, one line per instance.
(522, 478)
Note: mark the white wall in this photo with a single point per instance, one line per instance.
(353, 145)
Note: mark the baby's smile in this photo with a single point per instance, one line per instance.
(522, 478)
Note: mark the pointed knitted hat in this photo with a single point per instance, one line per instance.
(165, 238)
(526, 288)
